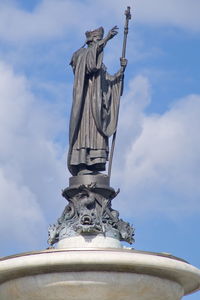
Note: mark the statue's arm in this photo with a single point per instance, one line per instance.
(119, 76)
(108, 37)
(123, 65)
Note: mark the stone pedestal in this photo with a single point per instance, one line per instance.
(89, 212)
(88, 241)
(89, 262)
(96, 274)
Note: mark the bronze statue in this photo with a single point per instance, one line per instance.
(94, 116)
(94, 113)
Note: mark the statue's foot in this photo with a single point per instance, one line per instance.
(84, 172)
(88, 172)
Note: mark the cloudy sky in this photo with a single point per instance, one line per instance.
(157, 157)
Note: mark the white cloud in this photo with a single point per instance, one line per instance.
(43, 22)
(20, 214)
(160, 155)
(133, 103)
(55, 18)
(179, 13)
(31, 162)
(183, 14)
(50, 19)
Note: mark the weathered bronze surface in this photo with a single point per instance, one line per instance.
(94, 117)
(95, 105)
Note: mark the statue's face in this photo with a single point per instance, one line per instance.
(96, 39)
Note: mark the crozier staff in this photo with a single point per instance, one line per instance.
(95, 106)
(122, 60)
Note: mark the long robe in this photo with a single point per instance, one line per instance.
(94, 111)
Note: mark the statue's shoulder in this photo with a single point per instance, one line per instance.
(80, 51)
(76, 55)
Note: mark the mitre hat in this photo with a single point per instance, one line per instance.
(99, 32)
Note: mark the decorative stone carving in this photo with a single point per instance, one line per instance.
(89, 211)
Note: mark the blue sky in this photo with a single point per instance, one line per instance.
(157, 158)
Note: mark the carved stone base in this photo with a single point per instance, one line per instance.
(89, 211)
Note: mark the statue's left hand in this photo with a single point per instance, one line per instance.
(123, 62)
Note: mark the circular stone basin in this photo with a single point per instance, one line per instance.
(96, 274)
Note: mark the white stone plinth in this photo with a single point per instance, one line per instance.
(96, 274)
(88, 241)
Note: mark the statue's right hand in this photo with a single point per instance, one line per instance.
(113, 32)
